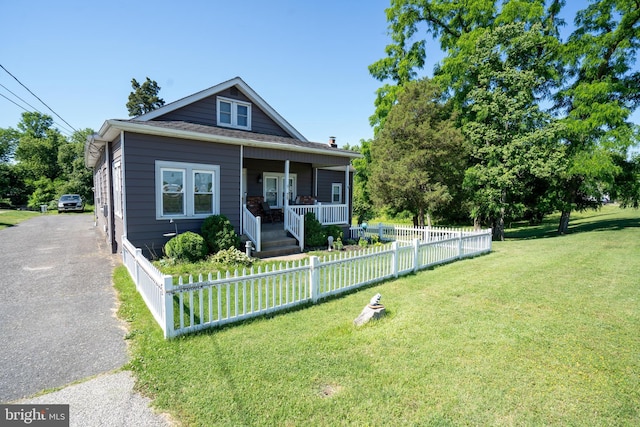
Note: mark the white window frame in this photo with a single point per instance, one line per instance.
(117, 188)
(337, 185)
(234, 113)
(189, 170)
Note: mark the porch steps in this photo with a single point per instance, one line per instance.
(277, 243)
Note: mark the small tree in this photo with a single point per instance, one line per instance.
(144, 97)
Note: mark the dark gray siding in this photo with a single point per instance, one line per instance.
(144, 231)
(204, 112)
(325, 179)
(255, 169)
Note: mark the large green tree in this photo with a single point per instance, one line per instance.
(514, 142)
(44, 165)
(601, 91)
(419, 154)
(144, 97)
(589, 76)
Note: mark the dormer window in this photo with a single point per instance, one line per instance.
(234, 113)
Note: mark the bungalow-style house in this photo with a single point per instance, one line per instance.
(223, 150)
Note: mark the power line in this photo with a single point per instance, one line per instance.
(62, 129)
(43, 103)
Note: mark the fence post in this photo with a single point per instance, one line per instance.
(416, 254)
(136, 257)
(314, 278)
(380, 231)
(168, 306)
(395, 258)
(460, 244)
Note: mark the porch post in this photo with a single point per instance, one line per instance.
(346, 191)
(286, 184)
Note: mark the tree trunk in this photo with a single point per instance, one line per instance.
(563, 227)
(428, 220)
(498, 229)
(421, 216)
(476, 224)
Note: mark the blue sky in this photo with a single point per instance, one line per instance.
(307, 59)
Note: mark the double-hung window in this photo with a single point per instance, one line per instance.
(186, 190)
(234, 113)
(336, 192)
(117, 189)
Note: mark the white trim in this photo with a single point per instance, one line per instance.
(116, 172)
(188, 171)
(234, 104)
(124, 187)
(243, 87)
(110, 127)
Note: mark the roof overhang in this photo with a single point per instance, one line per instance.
(93, 147)
(111, 129)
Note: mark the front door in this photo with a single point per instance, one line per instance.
(274, 189)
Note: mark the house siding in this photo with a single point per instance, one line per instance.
(204, 112)
(142, 151)
(325, 179)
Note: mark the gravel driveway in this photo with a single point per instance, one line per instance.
(57, 315)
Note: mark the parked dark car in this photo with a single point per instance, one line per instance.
(70, 202)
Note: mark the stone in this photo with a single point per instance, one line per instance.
(368, 313)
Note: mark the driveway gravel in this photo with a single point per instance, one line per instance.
(57, 311)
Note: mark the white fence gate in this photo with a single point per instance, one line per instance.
(193, 305)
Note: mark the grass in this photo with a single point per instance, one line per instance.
(543, 331)
(9, 218)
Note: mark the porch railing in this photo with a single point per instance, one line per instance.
(294, 224)
(325, 214)
(252, 227)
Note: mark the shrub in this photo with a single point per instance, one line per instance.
(188, 246)
(232, 257)
(314, 234)
(219, 233)
(363, 242)
(335, 231)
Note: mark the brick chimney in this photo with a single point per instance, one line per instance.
(332, 142)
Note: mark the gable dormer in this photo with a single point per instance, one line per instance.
(232, 104)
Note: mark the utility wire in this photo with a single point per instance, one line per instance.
(62, 129)
(29, 90)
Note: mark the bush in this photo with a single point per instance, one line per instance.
(187, 246)
(335, 231)
(232, 257)
(219, 233)
(314, 234)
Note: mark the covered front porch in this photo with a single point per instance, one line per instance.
(282, 193)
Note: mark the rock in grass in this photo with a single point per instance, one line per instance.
(373, 310)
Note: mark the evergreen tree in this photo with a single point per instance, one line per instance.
(144, 97)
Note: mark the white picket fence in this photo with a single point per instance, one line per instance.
(406, 233)
(206, 302)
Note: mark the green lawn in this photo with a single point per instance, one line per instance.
(543, 331)
(9, 218)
